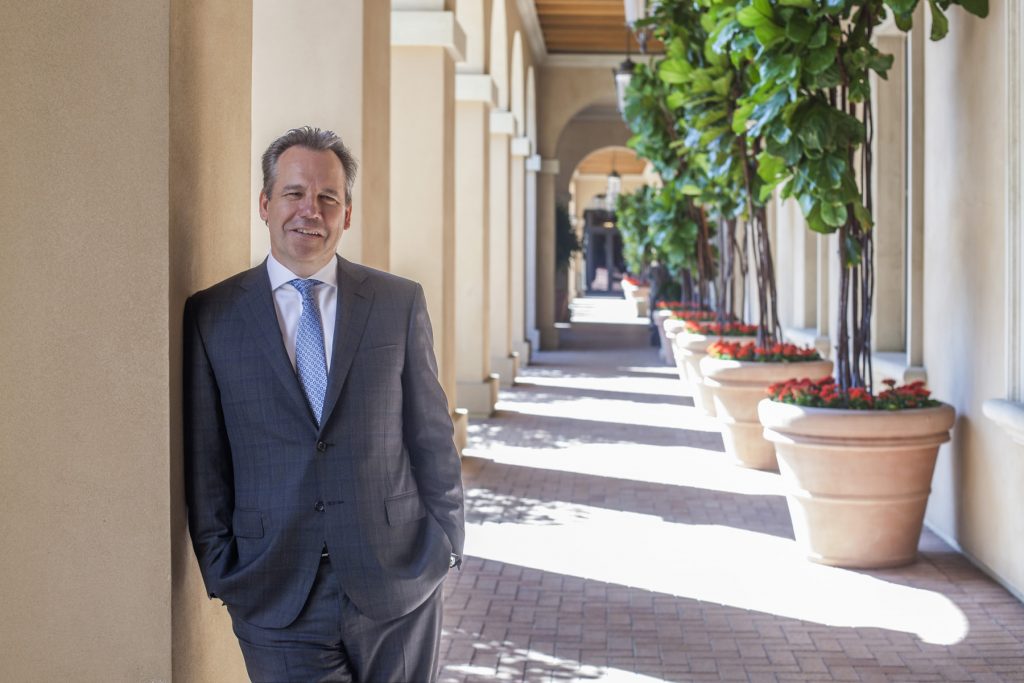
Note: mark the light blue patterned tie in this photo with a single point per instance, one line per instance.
(310, 358)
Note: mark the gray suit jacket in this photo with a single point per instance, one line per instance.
(379, 482)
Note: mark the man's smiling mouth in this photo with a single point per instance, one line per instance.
(308, 233)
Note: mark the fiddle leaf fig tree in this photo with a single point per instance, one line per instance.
(811, 103)
(708, 66)
(679, 231)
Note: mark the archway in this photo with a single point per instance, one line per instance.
(599, 267)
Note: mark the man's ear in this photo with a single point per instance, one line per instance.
(264, 214)
(348, 217)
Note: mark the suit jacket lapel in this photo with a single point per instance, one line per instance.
(262, 319)
(355, 296)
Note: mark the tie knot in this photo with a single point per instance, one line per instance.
(305, 287)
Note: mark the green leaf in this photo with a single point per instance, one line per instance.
(769, 33)
(815, 223)
(675, 99)
(805, 4)
(862, 215)
(904, 22)
(674, 71)
(764, 7)
(819, 37)
(851, 252)
(978, 8)
(721, 85)
(940, 24)
(828, 172)
(880, 63)
(813, 131)
(799, 29)
(833, 215)
(740, 116)
(769, 166)
(751, 18)
(902, 6)
(820, 59)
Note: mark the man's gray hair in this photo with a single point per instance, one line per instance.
(317, 140)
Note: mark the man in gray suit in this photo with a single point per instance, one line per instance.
(324, 489)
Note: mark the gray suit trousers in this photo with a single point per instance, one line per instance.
(331, 641)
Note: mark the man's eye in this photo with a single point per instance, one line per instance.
(329, 199)
(292, 195)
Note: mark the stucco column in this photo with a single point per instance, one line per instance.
(521, 150)
(477, 385)
(533, 163)
(292, 48)
(503, 359)
(98, 582)
(546, 254)
(424, 48)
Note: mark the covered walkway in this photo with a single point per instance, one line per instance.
(610, 540)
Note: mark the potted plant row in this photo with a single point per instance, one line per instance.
(774, 97)
(735, 376)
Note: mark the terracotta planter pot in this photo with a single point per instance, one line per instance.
(661, 317)
(673, 327)
(736, 388)
(857, 480)
(689, 349)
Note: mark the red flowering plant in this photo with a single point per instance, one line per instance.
(634, 280)
(824, 393)
(694, 315)
(677, 306)
(730, 329)
(751, 351)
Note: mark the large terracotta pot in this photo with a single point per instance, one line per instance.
(857, 480)
(661, 318)
(673, 327)
(689, 349)
(736, 388)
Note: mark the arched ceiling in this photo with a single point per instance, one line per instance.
(603, 161)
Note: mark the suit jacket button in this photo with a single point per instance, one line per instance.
(321, 446)
(319, 507)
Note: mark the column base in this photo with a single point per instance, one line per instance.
(479, 397)
(533, 338)
(460, 421)
(522, 349)
(549, 338)
(506, 369)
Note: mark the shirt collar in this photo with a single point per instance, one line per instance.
(280, 275)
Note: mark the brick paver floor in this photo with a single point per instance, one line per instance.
(609, 539)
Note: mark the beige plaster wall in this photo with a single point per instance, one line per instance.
(327, 64)
(210, 69)
(976, 490)
(580, 138)
(84, 411)
(561, 93)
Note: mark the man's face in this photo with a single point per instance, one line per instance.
(306, 210)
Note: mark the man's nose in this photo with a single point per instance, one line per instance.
(309, 207)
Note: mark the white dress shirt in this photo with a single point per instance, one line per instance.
(288, 303)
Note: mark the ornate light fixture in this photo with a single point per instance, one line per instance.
(635, 10)
(623, 73)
